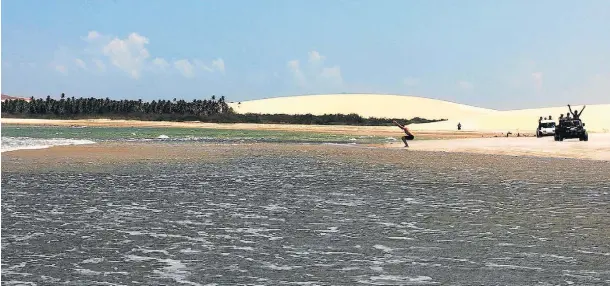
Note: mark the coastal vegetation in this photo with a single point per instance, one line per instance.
(213, 110)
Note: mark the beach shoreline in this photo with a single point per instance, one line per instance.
(597, 148)
(386, 131)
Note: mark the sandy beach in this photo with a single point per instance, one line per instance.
(483, 130)
(597, 148)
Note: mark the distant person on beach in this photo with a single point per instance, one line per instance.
(409, 135)
(459, 126)
(575, 114)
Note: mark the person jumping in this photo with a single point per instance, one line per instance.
(408, 136)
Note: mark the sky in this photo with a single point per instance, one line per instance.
(501, 54)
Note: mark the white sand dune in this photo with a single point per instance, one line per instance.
(596, 117)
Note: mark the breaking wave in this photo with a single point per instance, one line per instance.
(20, 143)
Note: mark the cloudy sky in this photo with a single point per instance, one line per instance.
(502, 54)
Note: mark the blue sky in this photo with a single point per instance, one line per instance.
(501, 54)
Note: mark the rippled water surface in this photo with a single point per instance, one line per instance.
(301, 221)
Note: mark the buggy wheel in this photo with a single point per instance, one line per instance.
(586, 137)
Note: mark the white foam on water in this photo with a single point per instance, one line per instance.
(382, 248)
(189, 251)
(94, 260)
(163, 136)
(17, 282)
(281, 267)
(22, 143)
(402, 280)
(175, 270)
(512, 267)
(400, 238)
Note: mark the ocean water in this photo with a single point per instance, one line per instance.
(308, 220)
(37, 137)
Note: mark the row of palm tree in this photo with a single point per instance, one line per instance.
(207, 110)
(79, 107)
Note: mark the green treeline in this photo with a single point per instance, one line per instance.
(208, 110)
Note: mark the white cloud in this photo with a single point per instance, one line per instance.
(410, 81)
(81, 64)
(60, 68)
(128, 54)
(294, 65)
(216, 65)
(315, 57)
(92, 35)
(185, 67)
(201, 65)
(219, 64)
(99, 64)
(333, 74)
(295, 68)
(160, 63)
(315, 75)
(131, 55)
(465, 84)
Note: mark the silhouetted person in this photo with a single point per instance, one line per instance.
(409, 135)
(459, 126)
(575, 113)
(568, 116)
(550, 118)
(560, 117)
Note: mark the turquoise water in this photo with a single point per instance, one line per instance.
(100, 134)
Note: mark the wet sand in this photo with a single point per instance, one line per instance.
(112, 154)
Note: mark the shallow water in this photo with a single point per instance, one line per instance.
(304, 221)
(16, 136)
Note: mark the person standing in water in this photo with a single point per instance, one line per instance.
(408, 136)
